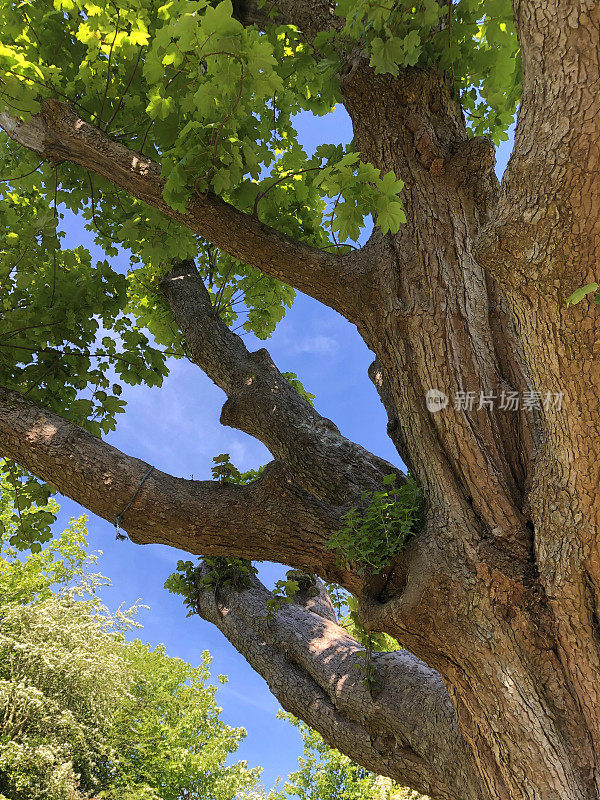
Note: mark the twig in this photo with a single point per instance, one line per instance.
(217, 302)
(237, 99)
(93, 204)
(37, 383)
(289, 174)
(37, 38)
(54, 89)
(27, 328)
(450, 41)
(82, 354)
(56, 235)
(345, 244)
(227, 116)
(14, 266)
(110, 52)
(150, 124)
(335, 241)
(129, 82)
(19, 177)
(17, 503)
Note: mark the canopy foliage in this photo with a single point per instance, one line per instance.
(215, 103)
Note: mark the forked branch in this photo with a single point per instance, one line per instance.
(272, 518)
(405, 728)
(264, 404)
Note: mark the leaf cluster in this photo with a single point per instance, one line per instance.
(211, 101)
(224, 471)
(474, 41)
(210, 574)
(375, 533)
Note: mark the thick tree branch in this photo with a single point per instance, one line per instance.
(264, 404)
(405, 728)
(542, 245)
(57, 133)
(271, 519)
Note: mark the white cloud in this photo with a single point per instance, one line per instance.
(317, 345)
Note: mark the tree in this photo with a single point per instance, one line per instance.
(83, 711)
(326, 774)
(170, 128)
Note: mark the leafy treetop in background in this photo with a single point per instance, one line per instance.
(83, 711)
(326, 774)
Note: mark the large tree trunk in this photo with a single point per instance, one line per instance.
(483, 611)
(499, 594)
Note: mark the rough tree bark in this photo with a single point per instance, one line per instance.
(497, 601)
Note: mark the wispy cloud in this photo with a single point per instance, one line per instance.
(266, 706)
(316, 345)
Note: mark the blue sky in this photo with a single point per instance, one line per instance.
(176, 428)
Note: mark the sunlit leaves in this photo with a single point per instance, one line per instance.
(324, 773)
(84, 711)
(213, 102)
(474, 41)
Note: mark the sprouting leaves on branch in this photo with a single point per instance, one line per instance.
(579, 294)
(210, 574)
(214, 572)
(377, 531)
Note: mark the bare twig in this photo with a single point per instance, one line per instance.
(14, 482)
(14, 266)
(27, 328)
(55, 243)
(53, 88)
(19, 177)
(289, 174)
(93, 204)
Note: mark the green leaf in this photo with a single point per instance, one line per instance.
(386, 55)
(579, 294)
(390, 215)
